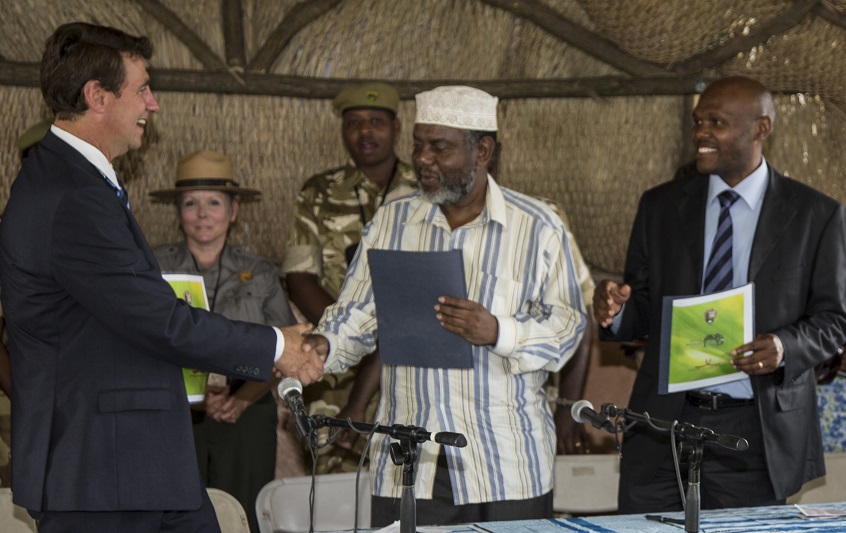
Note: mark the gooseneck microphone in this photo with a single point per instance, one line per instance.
(291, 390)
(416, 434)
(582, 412)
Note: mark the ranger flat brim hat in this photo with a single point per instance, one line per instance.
(205, 170)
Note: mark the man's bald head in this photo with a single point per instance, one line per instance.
(753, 92)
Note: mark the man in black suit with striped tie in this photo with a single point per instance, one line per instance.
(726, 220)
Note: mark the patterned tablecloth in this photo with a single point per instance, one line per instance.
(832, 408)
(786, 518)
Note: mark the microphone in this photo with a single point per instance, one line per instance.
(420, 435)
(291, 390)
(450, 439)
(582, 411)
(725, 440)
(417, 434)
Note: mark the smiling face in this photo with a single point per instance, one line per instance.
(205, 216)
(369, 135)
(730, 123)
(126, 113)
(445, 164)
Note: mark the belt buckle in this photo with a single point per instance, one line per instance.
(705, 400)
(715, 401)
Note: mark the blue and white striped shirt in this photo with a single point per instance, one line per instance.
(518, 265)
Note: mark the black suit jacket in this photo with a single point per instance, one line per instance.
(798, 265)
(100, 420)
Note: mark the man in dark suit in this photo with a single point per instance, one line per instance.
(788, 239)
(101, 437)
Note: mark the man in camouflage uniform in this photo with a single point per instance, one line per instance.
(330, 213)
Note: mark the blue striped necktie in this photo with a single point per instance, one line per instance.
(122, 195)
(718, 272)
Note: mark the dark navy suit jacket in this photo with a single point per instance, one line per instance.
(100, 420)
(798, 265)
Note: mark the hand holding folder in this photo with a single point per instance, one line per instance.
(406, 288)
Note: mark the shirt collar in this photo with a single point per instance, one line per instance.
(751, 188)
(496, 202)
(89, 152)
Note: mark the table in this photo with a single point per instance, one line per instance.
(784, 518)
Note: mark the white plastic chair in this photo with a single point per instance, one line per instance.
(282, 505)
(827, 489)
(586, 484)
(230, 513)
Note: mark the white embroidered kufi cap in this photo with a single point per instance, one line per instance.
(457, 106)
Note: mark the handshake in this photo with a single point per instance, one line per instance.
(303, 355)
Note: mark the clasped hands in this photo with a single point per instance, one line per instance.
(303, 356)
(305, 353)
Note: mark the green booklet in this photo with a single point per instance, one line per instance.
(192, 289)
(698, 334)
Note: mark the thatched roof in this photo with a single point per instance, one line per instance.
(596, 94)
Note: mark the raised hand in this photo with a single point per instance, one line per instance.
(608, 299)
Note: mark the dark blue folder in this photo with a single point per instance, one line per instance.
(406, 287)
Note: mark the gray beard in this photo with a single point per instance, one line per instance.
(450, 194)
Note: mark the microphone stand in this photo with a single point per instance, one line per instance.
(405, 453)
(693, 442)
(402, 453)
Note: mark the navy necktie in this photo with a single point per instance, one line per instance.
(719, 272)
(122, 195)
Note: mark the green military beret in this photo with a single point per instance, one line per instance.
(371, 95)
(33, 134)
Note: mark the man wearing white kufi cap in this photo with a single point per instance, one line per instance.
(523, 315)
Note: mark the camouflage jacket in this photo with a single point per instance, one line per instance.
(328, 219)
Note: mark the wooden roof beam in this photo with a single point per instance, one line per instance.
(717, 56)
(328, 88)
(827, 12)
(300, 16)
(183, 32)
(577, 36)
(15, 74)
(232, 15)
(221, 82)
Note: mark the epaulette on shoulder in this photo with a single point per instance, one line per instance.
(326, 173)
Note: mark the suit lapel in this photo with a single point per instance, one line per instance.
(70, 154)
(777, 212)
(691, 213)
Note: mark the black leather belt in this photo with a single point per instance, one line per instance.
(716, 400)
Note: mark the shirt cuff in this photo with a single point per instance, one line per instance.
(779, 347)
(507, 340)
(332, 365)
(614, 327)
(280, 343)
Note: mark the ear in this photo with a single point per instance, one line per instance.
(95, 95)
(234, 214)
(485, 151)
(397, 125)
(763, 128)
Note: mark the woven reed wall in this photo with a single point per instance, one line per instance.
(593, 156)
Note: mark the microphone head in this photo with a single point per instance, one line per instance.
(576, 410)
(287, 385)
